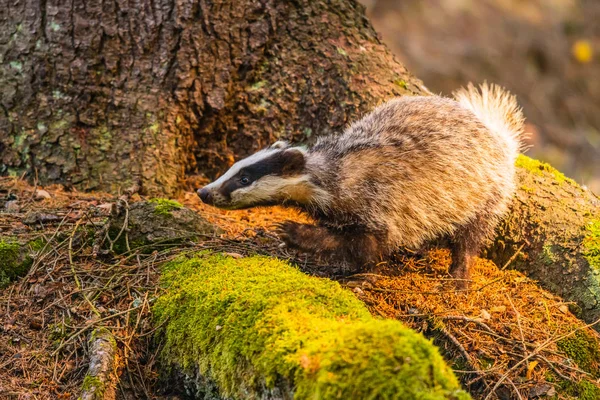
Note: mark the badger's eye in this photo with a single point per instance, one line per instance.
(244, 180)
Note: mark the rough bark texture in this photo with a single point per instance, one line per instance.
(157, 224)
(100, 381)
(101, 94)
(554, 226)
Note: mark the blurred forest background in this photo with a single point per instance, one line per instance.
(544, 51)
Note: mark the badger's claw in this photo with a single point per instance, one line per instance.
(288, 232)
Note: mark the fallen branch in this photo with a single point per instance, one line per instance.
(100, 380)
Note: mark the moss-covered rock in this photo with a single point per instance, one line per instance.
(156, 223)
(15, 259)
(258, 328)
(165, 206)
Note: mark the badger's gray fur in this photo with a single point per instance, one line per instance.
(413, 170)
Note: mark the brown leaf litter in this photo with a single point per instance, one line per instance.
(506, 337)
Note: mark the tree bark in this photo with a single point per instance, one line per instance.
(552, 233)
(103, 94)
(100, 381)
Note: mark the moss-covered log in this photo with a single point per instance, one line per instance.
(256, 328)
(102, 94)
(554, 226)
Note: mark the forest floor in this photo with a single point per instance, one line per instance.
(505, 337)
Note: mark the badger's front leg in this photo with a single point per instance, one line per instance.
(356, 248)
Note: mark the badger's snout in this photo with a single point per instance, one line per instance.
(205, 195)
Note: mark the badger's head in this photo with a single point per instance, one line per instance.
(275, 175)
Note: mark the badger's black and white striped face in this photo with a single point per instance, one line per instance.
(271, 176)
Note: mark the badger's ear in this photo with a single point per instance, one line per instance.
(280, 144)
(294, 161)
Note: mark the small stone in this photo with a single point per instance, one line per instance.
(34, 218)
(41, 194)
(12, 206)
(218, 327)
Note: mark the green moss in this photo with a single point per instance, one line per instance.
(165, 206)
(14, 260)
(341, 51)
(401, 83)
(57, 332)
(255, 322)
(154, 128)
(37, 244)
(93, 384)
(591, 244)
(539, 168)
(526, 189)
(16, 65)
(103, 333)
(584, 350)
(583, 390)
(102, 138)
(257, 86)
(548, 257)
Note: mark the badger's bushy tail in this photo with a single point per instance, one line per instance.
(498, 110)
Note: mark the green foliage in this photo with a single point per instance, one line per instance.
(165, 206)
(591, 244)
(255, 322)
(539, 168)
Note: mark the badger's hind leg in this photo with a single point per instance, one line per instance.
(466, 244)
(355, 248)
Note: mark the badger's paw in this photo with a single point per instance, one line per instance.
(309, 238)
(291, 234)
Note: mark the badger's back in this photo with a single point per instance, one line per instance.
(420, 167)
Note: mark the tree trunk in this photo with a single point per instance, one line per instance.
(102, 94)
(552, 233)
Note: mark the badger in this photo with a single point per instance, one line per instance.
(414, 170)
